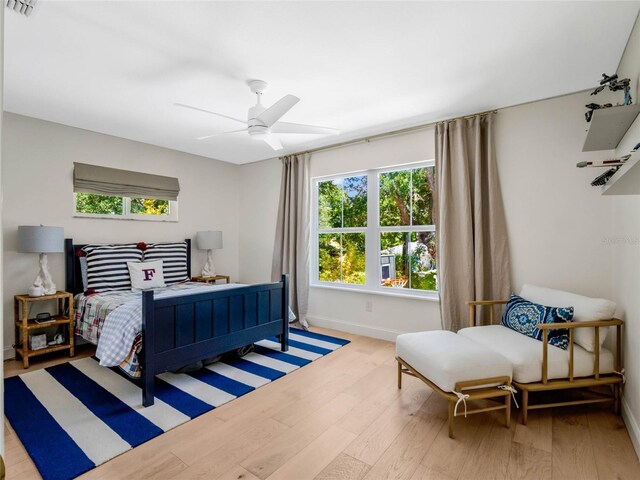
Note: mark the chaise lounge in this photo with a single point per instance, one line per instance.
(536, 364)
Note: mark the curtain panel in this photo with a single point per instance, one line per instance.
(291, 248)
(473, 250)
(123, 183)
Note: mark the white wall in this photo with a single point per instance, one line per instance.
(556, 220)
(37, 167)
(258, 212)
(624, 241)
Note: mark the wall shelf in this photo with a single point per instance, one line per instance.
(626, 180)
(608, 126)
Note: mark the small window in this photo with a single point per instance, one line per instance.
(106, 206)
(149, 206)
(99, 204)
(407, 260)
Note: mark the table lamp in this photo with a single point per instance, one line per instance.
(41, 240)
(209, 241)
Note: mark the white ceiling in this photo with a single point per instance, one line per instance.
(362, 67)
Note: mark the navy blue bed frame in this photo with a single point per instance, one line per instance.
(182, 330)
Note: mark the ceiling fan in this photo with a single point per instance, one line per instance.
(263, 122)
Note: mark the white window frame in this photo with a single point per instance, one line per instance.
(372, 235)
(127, 215)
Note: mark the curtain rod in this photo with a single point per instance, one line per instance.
(393, 133)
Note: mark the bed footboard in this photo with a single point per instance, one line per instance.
(181, 330)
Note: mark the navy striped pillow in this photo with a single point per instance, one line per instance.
(107, 266)
(174, 260)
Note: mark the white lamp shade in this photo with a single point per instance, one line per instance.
(40, 239)
(209, 240)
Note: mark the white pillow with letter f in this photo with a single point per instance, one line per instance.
(146, 275)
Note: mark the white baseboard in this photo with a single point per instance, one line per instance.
(357, 328)
(632, 426)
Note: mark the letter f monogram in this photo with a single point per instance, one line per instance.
(148, 273)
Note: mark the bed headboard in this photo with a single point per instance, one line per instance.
(73, 277)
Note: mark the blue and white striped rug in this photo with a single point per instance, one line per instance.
(77, 415)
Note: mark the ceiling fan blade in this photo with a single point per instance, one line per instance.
(285, 127)
(272, 114)
(207, 111)
(221, 133)
(273, 142)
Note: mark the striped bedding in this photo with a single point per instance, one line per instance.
(113, 322)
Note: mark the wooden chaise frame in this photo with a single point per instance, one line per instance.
(613, 380)
(180, 330)
(469, 388)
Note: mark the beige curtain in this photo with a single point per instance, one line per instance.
(473, 251)
(291, 248)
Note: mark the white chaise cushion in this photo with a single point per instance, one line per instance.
(585, 309)
(446, 358)
(525, 354)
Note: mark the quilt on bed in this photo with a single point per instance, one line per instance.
(113, 322)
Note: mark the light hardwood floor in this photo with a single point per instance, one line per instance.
(342, 417)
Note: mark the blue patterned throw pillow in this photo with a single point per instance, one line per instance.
(522, 316)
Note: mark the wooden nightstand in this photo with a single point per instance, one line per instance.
(24, 326)
(212, 279)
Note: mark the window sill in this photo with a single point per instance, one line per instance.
(429, 297)
(121, 218)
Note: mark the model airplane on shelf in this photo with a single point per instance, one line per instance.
(612, 83)
(613, 164)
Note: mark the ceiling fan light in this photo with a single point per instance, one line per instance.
(259, 132)
(259, 135)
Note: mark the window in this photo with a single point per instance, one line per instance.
(406, 231)
(342, 222)
(375, 230)
(106, 206)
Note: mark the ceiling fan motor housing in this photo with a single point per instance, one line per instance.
(257, 129)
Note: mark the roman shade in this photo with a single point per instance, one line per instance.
(123, 183)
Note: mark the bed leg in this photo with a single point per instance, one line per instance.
(284, 337)
(399, 375)
(148, 350)
(525, 406)
(507, 413)
(284, 342)
(451, 418)
(147, 390)
(616, 395)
